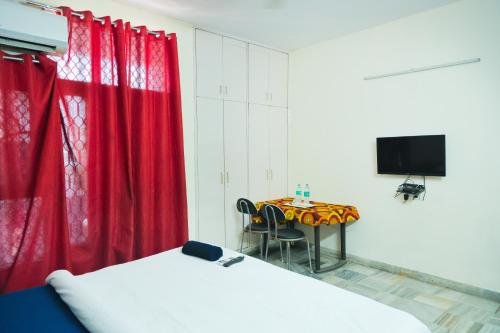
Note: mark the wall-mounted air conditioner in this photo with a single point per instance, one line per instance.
(27, 28)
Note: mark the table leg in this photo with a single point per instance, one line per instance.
(342, 242)
(317, 249)
(263, 245)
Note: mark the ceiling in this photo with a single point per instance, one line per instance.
(287, 24)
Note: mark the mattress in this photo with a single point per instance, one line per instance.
(173, 292)
(37, 310)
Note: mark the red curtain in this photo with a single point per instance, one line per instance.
(122, 162)
(32, 213)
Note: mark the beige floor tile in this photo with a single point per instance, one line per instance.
(442, 310)
(435, 301)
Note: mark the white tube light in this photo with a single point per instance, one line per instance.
(422, 69)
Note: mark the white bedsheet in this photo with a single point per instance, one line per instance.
(173, 292)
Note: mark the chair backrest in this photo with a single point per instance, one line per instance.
(245, 206)
(274, 215)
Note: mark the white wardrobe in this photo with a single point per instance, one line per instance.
(242, 118)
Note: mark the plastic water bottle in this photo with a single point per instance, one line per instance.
(307, 194)
(298, 194)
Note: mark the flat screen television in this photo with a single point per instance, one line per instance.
(422, 155)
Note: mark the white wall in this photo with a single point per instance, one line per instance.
(185, 40)
(336, 116)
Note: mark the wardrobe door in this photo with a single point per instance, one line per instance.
(235, 63)
(258, 152)
(208, 65)
(258, 68)
(236, 162)
(278, 152)
(278, 78)
(210, 141)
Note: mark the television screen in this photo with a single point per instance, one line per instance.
(412, 155)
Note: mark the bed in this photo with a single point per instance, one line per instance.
(172, 292)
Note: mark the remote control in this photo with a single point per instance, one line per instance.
(233, 261)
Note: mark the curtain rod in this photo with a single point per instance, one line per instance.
(426, 68)
(44, 6)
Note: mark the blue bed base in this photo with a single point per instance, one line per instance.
(37, 310)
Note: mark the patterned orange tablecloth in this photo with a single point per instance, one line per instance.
(321, 213)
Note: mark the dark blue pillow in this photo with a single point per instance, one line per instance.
(202, 250)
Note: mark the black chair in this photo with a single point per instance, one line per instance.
(274, 215)
(246, 207)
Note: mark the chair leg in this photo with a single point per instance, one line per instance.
(242, 238)
(288, 254)
(309, 254)
(261, 246)
(250, 239)
(267, 247)
(281, 252)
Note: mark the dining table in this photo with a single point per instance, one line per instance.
(315, 214)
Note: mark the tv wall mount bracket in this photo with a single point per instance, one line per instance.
(410, 190)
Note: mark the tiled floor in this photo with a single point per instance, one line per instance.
(442, 310)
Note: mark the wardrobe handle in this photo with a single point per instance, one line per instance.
(222, 177)
(220, 89)
(225, 90)
(227, 177)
